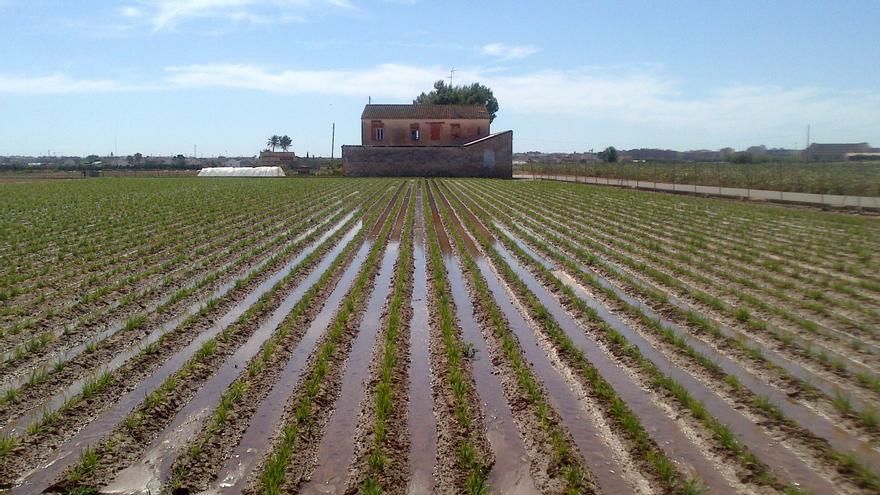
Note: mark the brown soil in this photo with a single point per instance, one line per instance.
(32, 449)
(448, 473)
(128, 445)
(395, 477)
(202, 468)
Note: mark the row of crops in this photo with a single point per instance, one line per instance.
(432, 336)
(851, 178)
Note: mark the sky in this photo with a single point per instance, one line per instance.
(161, 77)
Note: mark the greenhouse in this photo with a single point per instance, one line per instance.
(241, 172)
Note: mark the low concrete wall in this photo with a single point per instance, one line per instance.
(831, 200)
(491, 156)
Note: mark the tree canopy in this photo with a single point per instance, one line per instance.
(474, 94)
(609, 155)
(275, 141)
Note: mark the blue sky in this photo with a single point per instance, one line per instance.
(158, 76)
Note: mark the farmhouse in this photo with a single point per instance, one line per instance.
(429, 140)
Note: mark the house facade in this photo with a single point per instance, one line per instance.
(429, 141)
(423, 125)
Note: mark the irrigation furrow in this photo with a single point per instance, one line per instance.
(133, 300)
(810, 420)
(627, 237)
(463, 452)
(742, 290)
(154, 467)
(337, 445)
(776, 456)
(63, 455)
(115, 280)
(196, 468)
(659, 426)
(712, 234)
(420, 413)
(510, 471)
(715, 404)
(164, 303)
(856, 367)
(257, 441)
(381, 436)
(815, 379)
(25, 417)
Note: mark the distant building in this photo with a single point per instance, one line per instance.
(278, 159)
(429, 140)
(836, 151)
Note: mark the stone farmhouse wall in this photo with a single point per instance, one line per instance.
(491, 156)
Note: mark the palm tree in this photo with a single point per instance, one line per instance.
(285, 142)
(273, 141)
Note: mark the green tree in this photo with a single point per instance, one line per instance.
(610, 154)
(474, 94)
(273, 141)
(285, 142)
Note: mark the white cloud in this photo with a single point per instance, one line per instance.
(168, 14)
(63, 84)
(635, 97)
(131, 11)
(509, 52)
(385, 81)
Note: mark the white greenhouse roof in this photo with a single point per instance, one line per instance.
(241, 172)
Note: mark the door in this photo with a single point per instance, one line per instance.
(435, 131)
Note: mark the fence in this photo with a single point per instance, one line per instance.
(831, 200)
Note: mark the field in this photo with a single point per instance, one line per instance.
(183, 335)
(855, 178)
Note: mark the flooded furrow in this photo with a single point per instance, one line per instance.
(59, 398)
(597, 455)
(154, 468)
(398, 222)
(781, 460)
(818, 425)
(336, 449)
(387, 211)
(830, 388)
(420, 413)
(71, 353)
(113, 326)
(41, 477)
(852, 362)
(662, 429)
(510, 472)
(257, 438)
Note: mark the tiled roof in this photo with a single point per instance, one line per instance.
(425, 112)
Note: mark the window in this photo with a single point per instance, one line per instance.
(455, 130)
(435, 130)
(380, 133)
(414, 132)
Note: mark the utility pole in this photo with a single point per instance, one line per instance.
(195, 151)
(451, 75)
(808, 137)
(332, 140)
